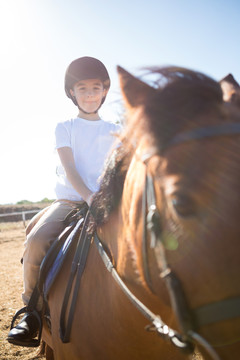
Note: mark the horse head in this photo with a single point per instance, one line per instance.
(182, 135)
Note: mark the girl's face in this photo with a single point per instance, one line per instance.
(89, 94)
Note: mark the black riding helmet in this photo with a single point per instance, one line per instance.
(85, 68)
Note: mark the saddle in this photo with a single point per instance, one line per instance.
(75, 234)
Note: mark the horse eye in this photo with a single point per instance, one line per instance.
(184, 206)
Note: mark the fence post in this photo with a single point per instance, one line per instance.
(24, 218)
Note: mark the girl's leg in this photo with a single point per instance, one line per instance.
(38, 241)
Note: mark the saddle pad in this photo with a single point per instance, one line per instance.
(59, 260)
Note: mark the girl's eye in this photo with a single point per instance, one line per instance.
(184, 206)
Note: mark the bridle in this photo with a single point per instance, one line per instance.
(189, 320)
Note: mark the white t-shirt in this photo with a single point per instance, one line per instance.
(91, 142)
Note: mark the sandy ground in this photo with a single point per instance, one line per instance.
(11, 248)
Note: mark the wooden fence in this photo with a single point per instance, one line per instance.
(22, 213)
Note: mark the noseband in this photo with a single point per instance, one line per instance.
(189, 320)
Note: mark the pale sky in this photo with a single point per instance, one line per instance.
(39, 38)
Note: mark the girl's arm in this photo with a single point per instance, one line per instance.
(67, 160)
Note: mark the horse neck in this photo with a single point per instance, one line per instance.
(118, 237)
(108, 233)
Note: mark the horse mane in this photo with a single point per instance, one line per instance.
(109, 195)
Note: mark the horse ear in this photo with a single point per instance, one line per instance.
(230, 89)
(134, 91)
(230, 79)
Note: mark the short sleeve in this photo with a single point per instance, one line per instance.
(63, 135)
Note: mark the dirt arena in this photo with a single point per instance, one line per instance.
(11, 248)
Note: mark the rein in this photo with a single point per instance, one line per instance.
(162, 329)
(188, 319)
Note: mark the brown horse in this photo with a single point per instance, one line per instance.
(167, 214)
